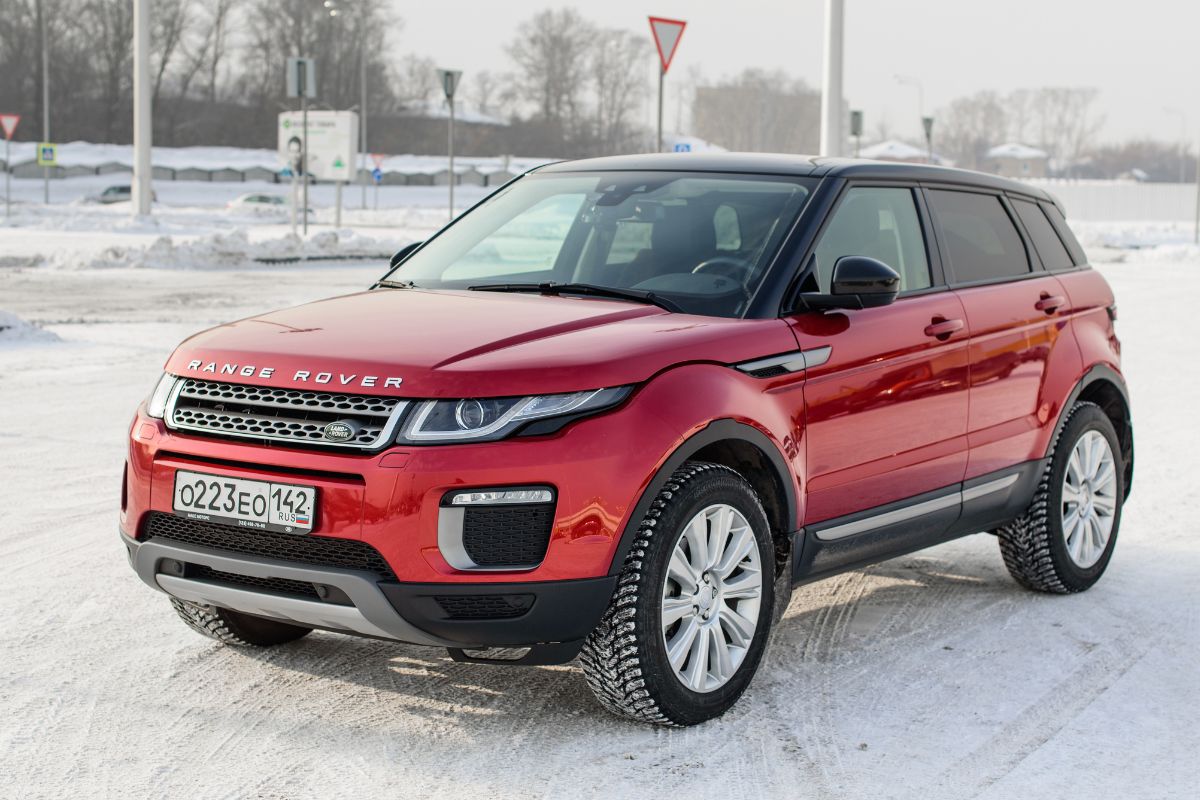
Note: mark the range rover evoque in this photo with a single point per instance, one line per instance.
(621, 407)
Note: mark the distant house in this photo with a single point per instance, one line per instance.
(896, 150)
(1015, 160)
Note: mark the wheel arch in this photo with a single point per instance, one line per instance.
(1105, 387)
(750, 453)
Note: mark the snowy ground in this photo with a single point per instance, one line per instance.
(931, 676)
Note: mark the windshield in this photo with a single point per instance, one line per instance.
(701, 240)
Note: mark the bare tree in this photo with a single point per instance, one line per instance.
(970, 127)
(619, 79)
(414, 81)
(1067, 122)
(759, 111)
(550, 52)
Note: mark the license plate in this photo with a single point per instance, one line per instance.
(282, 507)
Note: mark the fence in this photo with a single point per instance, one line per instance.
(1123, 201)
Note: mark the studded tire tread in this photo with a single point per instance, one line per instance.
(1029, 544)
(232, 628)
(614, 661)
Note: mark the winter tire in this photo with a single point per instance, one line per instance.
(232, 627)
(1064, 540)
(690, 617)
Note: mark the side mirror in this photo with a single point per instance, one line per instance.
(403, 253)
(858, 282)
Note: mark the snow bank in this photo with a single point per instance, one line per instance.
(16, 331)
(1159, 242)
(231, 249)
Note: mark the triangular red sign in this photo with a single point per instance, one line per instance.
(9, 123)
(667, 33)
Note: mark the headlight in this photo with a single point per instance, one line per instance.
(487, 419)
(156, 406)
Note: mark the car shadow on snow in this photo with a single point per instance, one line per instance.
(916, 602)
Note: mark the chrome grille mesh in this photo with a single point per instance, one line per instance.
(288, 415)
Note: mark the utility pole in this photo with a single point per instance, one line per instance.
(927, 124)
(41, 15)
(362, 111)
(831, 86)
(1196, 232)
(143, 129)
(450, 79)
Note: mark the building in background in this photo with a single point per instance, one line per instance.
(1015, 160)
(903, 152)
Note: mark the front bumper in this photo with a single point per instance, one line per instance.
(551, 611)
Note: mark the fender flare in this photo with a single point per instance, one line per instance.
(716, 431)
(1097, 373)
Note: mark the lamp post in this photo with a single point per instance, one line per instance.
(41, 20)
(450, 79)
(143, 130)
(1182, 141)
(831, 88)
(335, 10)
(906, 80)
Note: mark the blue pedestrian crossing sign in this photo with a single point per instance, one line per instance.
(377, 175)
(683, 147)
(47, 154)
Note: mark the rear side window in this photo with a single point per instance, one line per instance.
(1064, 233)
(981, 241)
(1053, 252)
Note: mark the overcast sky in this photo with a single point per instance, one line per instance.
(1143, 56)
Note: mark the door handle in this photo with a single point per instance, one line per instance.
(943, 328)
(1049, 303)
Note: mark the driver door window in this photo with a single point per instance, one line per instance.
(879, 223)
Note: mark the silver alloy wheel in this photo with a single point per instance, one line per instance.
(711, 597)
(1089, 499)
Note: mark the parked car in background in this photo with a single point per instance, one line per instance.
(619, 409)
(121, 193)
(261, 203)
(257, 201)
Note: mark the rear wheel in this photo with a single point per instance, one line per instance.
(235, 628)
(1064, 540)
(689, 620)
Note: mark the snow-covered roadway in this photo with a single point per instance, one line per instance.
(932, 676)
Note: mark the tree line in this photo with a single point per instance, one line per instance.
(569, 88)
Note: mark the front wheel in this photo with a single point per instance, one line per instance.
(689, 621)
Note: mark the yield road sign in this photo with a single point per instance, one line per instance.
(378, 158)
(666, 37)
(9, 123)
(47, 155)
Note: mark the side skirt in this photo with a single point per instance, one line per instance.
(981, 504)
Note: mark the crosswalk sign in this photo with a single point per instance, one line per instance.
(377, 175)
(47, 155)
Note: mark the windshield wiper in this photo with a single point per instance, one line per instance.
(386, 284)
(633, 295)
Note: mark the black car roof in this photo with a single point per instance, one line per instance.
(783, 164)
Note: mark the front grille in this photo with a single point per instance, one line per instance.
(287, 415)
(485, 606)
(507, 536)
(274, 585)
(319, 551)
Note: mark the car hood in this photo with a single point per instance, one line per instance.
(416, 343)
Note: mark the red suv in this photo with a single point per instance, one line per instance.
(623, 406)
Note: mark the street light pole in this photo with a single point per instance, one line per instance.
(142, 120)
(362, 110)
(41, 15)
(831, 89)
(1182, 141)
